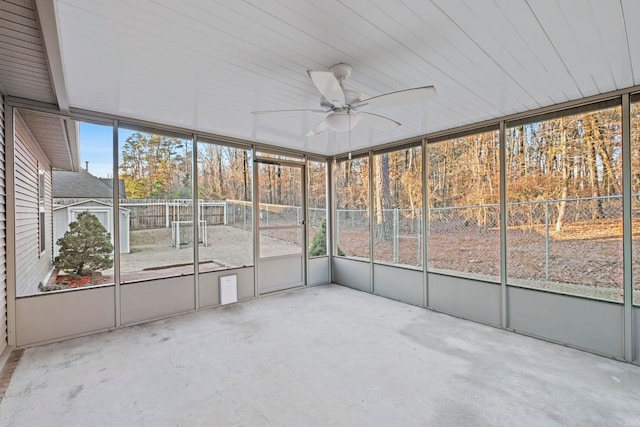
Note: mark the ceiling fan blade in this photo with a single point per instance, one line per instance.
(401, 97)
(378, 122)
(319, 128)
(290, 111)
(328, 86)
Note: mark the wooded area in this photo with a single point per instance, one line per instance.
(563, 173)
(156, 167)
(575, 156)
(159, 167)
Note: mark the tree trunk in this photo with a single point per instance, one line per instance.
(596, 207)
(565, 175)
(245, 176)
(378, 203)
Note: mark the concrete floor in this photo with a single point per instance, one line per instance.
(326, 355)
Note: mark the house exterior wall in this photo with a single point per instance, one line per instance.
(32, 266)
(3, 240)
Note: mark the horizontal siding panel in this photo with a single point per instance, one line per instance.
(24, 71)
(24, 209)
(24, 183)
(29, 91)
(24, 180)
(11, 52)
(20, 10)
(22, 195)
(21, 30)
(23, 79)
(8, 46)
(22, 64)
(23, 3)
(26, 206)
(12, 18)
(24, 232)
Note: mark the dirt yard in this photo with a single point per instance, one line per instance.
(584, 259)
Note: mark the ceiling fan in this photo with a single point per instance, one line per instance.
(345, 108)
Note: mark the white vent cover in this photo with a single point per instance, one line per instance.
(228, 289)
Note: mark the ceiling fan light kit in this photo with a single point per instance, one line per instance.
(344, 106)
(342, 121)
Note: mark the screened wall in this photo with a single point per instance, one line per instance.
(497, 223)
(523, 224)
(98, 253)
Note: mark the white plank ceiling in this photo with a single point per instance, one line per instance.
(205, 65)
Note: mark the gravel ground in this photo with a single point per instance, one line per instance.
(226, 247)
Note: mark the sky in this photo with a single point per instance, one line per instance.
(96, 143)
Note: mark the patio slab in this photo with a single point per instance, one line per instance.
(325, 355)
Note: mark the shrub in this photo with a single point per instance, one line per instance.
(86, 247)
(319, 242)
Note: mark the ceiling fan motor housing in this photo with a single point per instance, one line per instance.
(342, 71)
(351, 96)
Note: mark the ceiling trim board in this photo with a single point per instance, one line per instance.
(46, 13)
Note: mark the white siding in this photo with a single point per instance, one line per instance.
(23, 64)
(32, 267)
(3, 240)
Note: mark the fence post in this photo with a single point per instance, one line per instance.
(337, 231)
(166, 214)
(395, 235)
(416, 227)
(546, 241)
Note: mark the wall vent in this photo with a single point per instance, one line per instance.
(228, 289)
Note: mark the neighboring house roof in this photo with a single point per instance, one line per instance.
(83, 184)
(109, 182)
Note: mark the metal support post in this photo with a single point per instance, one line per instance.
(627, 235)
(395, 235)
(195, 217)
(425, 226)
(371, 223)
(116, 226)
(503, 225)
(546, 241)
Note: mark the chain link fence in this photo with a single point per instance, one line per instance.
(570, 245)
(398, 236)
(570, 242)
(465, 239)
(352, 227)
